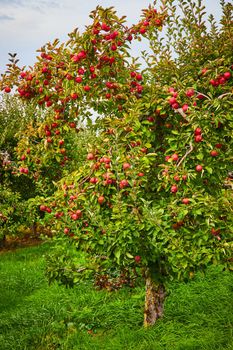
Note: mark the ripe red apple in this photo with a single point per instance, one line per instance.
(48, 133)
(90, 156)
(101, 200)
(86, 88)
(105, 27)
(81, 71)
(44, 69)
(171, 89)
(227, 75)
(214, 153)
(198, 131)
(150, 119)
(199, 168)
(113, 47)
(124, 183)
(79, 213)
(175, 157)
(133, 74)
(72, 125)
(176, 178)
(23, 74)
(185, 201)
(198, 138)
(140, 174)
(190, 92)
(137, 258)
(74, 96)
(126, 166)
(74, 216)
(66, 230)
(174, 189)
(172, 100)
(93, 180)
(221, 80)
(78, 79)
(142, 30)
(158, 22)
(185, 107)
(139, 77)
(43, 208)
(7, 89)
(106, 160)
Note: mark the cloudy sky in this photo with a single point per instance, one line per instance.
(26, 25)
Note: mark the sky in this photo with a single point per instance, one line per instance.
(26, 25)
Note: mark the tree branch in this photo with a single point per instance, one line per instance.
(186, 154)
(226, 94)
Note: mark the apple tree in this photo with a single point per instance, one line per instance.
(147, 195)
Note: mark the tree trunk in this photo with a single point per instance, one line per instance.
(3, 241)
(154, 301)
(34, 229)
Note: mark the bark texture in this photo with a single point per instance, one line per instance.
(154, 301)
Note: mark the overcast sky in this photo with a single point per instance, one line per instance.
(26, 25)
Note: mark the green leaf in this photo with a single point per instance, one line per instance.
(210, 170)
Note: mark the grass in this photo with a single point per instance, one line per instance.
(33, 315)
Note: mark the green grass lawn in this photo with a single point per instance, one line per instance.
(36, 316)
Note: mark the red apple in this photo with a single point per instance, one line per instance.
(7, 89)
(198, 138)
(190, 92)
(78, 79)
(175, 157)
(176, 178)
(126, 166)
(185, 201)
(90, 156)
(199, 168)
(139, 77)
(214, 153)
(174, 189)
(227, 75)
(124, 183)
(43, 208)
(101, 200)
(198, 131)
